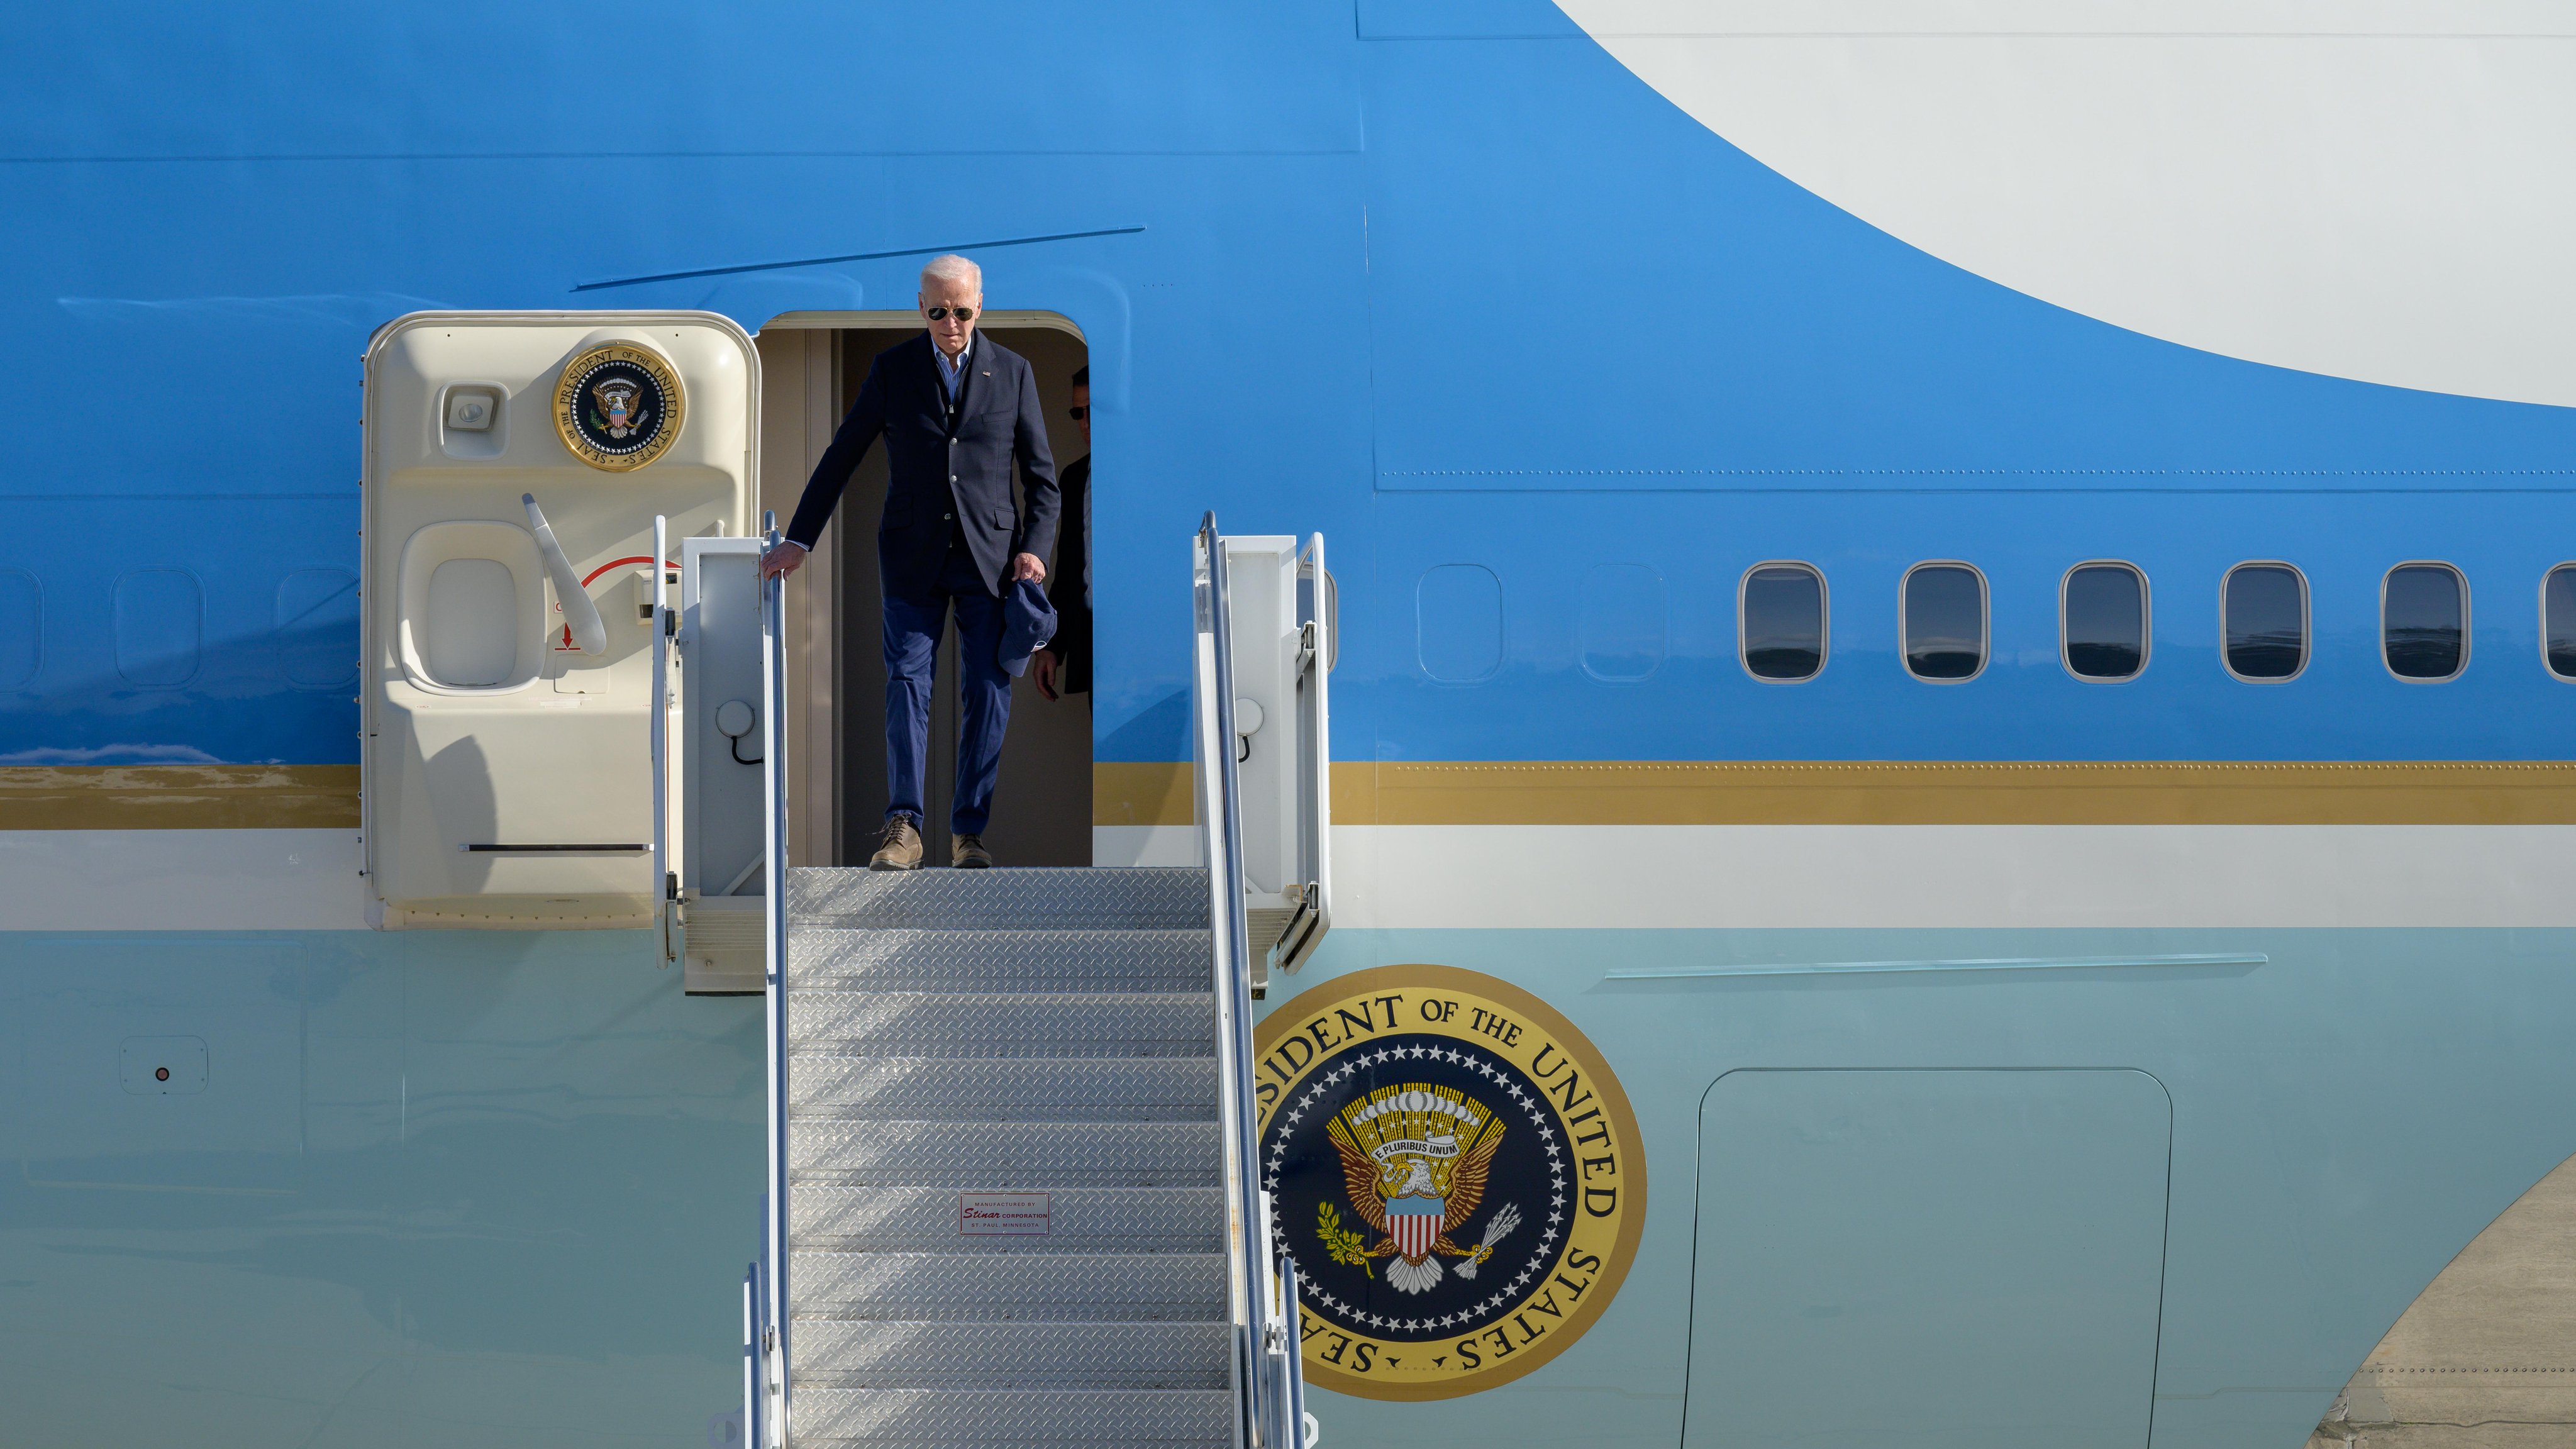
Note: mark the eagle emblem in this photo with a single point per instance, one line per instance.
(618, 398)
(1415, 1160)
(618, 406)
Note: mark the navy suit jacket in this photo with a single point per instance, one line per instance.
(950, 470)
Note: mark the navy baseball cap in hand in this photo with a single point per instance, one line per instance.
(1028, 622)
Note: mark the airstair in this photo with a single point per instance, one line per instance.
(1005, 1172)
(1010, 1198)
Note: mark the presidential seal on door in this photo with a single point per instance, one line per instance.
(618, 406)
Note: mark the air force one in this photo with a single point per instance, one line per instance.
(1808, 721)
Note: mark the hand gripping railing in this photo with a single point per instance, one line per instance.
(1270, 1388)
(765, 1386)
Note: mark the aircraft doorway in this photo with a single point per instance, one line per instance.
(811, 367)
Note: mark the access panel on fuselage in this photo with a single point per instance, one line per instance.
(508, 761)
(1956, 1259)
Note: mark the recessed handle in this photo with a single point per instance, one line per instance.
(581, 616)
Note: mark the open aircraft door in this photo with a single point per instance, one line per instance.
(535, 484)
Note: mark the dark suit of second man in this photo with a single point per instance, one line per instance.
(952, 539)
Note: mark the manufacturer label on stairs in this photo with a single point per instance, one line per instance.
(1007, 1214)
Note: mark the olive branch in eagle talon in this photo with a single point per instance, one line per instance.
(1341, 1242)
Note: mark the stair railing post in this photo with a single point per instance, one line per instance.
(751, 1358)
(1293, 1416)
(1278, 1342)
(773, 688)
(665, 894)
(1221, 832)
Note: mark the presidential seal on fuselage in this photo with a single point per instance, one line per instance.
(618, 406)
(1455, 1172)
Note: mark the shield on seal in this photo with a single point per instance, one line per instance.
(1414, 1223)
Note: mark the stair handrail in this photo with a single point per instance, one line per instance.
(773, 778)
(1269, 1388)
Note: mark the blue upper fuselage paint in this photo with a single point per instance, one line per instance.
(1484, 301)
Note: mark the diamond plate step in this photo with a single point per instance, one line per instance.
(1011, 1089)
(935, 1024)
(911, 959)
(1068, 898)
(1028, 1030)
(935, 1417)
(1080, 1220)
(853, 1354)
(1003, 1155)
(987, 1287)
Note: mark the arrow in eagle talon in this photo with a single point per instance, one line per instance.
(1497, 1228)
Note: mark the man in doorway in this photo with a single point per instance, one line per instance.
(1065, 664)
(957, 412)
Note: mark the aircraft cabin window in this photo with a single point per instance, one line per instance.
(2264, 609)
(1780, 622)
(2102, 621)
(2424, 621)
(2558, 621)
(1945, 621)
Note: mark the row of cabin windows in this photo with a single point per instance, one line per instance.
(2423, 621)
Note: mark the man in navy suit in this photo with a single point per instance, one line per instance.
(957, 411)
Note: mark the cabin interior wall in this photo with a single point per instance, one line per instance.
(1042, 807)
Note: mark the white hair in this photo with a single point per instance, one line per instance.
(952, 268)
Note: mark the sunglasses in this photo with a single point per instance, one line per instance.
(964, 314)
(1076, 414)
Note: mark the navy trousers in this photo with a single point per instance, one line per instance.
(912, 629)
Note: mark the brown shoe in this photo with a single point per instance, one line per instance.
(967, 852)
(902, 847)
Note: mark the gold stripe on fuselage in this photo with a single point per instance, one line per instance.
(1877, 792)
(179, 797)
(1764, 792)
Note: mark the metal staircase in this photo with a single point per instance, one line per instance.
(1010, 1199)
(964, 1037)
